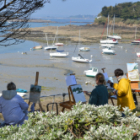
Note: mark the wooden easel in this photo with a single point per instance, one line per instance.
(135, 88)
(70, 103)
(36, 83)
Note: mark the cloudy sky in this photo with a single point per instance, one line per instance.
(75, 7)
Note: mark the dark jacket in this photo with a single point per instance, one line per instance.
(99, 96)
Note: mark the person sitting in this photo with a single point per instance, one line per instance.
(123, 90)
(99, 95)
(12, 106)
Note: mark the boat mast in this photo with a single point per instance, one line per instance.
(46, 38)
(107, 25)
(114, 24)
(135, 33)
(79, 37)
(55, 35)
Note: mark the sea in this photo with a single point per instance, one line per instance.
(26, 45)
(63, 22)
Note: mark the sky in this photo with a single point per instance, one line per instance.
(59, 8)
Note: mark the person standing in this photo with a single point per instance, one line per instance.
(123, 90)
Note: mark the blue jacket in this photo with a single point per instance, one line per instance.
(99, 96)
(12, 106)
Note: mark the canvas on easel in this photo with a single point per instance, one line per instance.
(78, 93)
(74, 92)
(35, 92)
(133, 71)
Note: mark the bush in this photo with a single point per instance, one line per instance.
(84, 122)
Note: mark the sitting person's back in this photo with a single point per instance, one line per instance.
(12, 106)
(99, 95)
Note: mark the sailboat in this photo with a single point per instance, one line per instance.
(114, 36)
(81, 59)
(58, 43)
(83, 49)
(109, 41)
(107, 45)
(136, 41)
(59, 54)
(51, 47)
(92, 72)
(108, 51)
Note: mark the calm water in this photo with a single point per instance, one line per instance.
(63, 22)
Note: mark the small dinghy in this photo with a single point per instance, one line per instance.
(81, 59)
(60, 50)
(50, 48)
(84, 49)
(37, 47)
(138, 54)
(92, 72)
(107, 45)
(59, 44)
(108, 51)
(59, 54)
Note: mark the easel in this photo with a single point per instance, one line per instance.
(135, 88)
(70, 103)
(36, 83)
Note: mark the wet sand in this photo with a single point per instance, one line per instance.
(21, 69)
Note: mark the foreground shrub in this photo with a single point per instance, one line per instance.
(84, 122)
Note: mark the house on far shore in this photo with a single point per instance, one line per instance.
(99, 17)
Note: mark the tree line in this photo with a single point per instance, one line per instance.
(124, 10)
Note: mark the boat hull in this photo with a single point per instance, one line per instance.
(60, 55)
(138, 55)
(59, 44)
(114, 37)
(108, 42)
(37, 48)
(50, 48)
(84, 49)
(75, 59)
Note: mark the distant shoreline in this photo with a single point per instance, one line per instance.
(47, 21)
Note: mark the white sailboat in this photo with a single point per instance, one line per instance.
(136, 41)
(107, 45)
(92, 72)
(81, 59)
(108, 41)
(58, 43)
(108, 51)
(59, 54)
(51, 47)
(114, 36)
(84, 49)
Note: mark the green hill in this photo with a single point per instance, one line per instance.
(127, 10)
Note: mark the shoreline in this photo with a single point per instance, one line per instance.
(90, 33)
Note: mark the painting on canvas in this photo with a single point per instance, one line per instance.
(133, 71)
(35, 92)
(78, 93)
